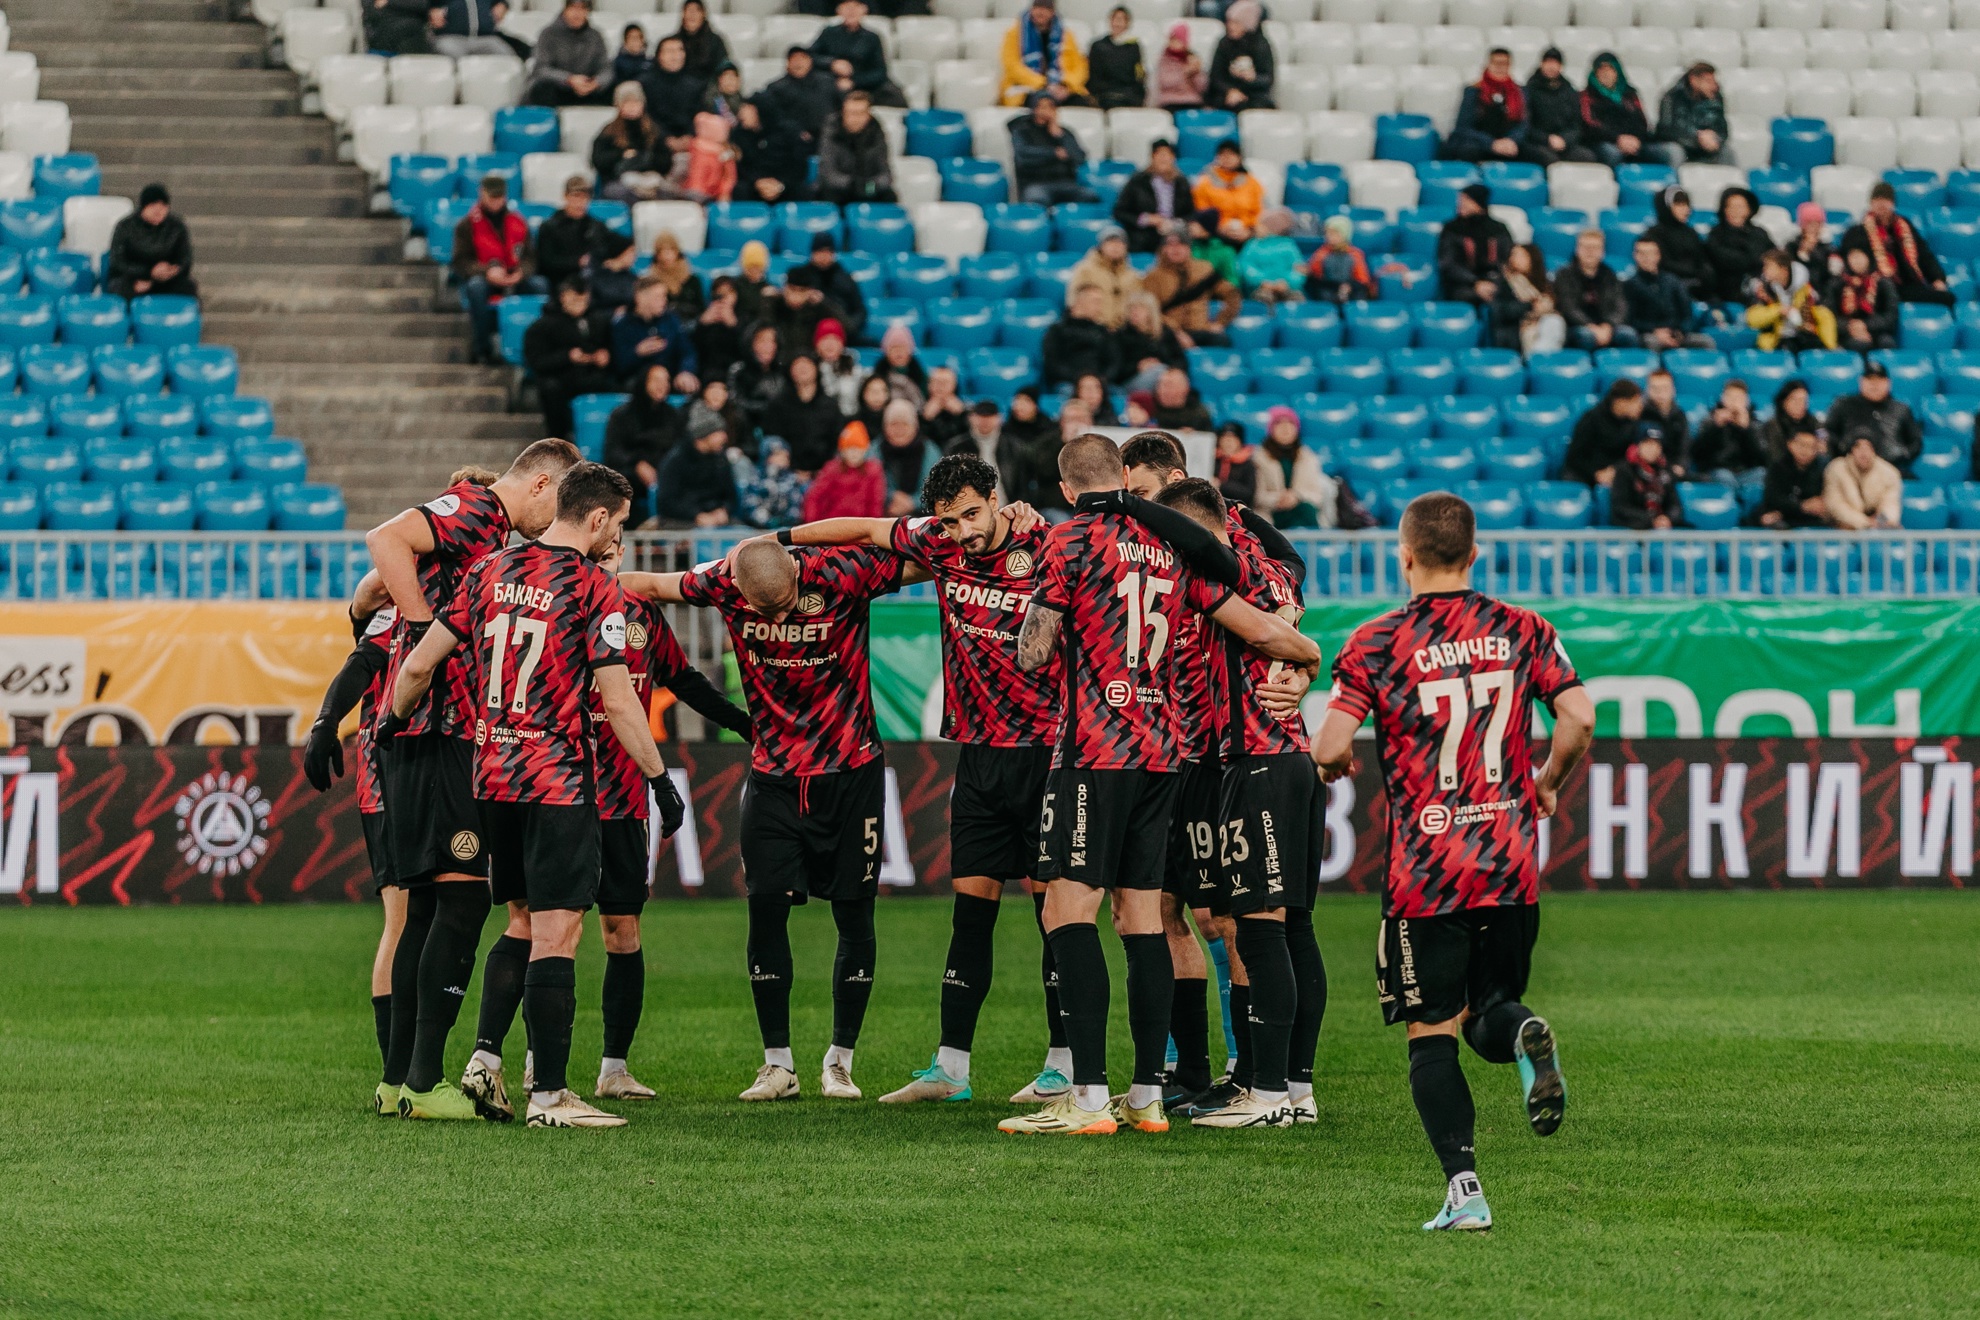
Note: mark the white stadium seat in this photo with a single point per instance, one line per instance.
(1841, 187)
(1907, 51)
(990, 132)
(269, 13)
(526, 25)
(20, 77)
(912, 77)
(346, 82)
(544, 174)
(310, 34)
(380, 132)
(1302, 88)
(1350, 11)
(1819, 94)
(1838, 49)
(1969, 137)
(743, 33)
(1434, 92)
(1920, 15)
(1792, 15)
(1271, 176)
(36, 128)
(1752, 140)
(965, 84)
(1286, 11)
(1323, 45)
(1869, 143)
(1948, 94)
(1777, 224)
(1883, 93)
(1736, 15)
(1476, 13)
(1774, 48)
(1715, 45)
(1525, 43)
(16, 176)
(1966, 13)
(758, 74)
(87, 222)
(686, 221)
(1956, 50)
(1540, 13)
(1204, 34)
(1340, 137)
(1929, 144)
(1579, 47)
(983, 37)
(1414, 13)
(1089, 126)
(783, 31)
(932, 38)
(1576, 187)
(893, 123)
(917, 181)
(1705, 183)
(491, 81)
(1278, 135)
(579, 125)
(1370, 90)
(1458, 47)
(1754, 92)
(456, 130)
(1388, 44)
(1672, 14)
(1855, 15)
(1386, 185)
(766, 8)
(1134, 129)
(950, 229)
(421, 80)
(1604, 13)
(1515, 220)
(1651, 48)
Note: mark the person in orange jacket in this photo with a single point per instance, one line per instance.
(1040, 57)
(1229, 189)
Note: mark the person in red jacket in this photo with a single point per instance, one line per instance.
(493, 257)
(851, 485)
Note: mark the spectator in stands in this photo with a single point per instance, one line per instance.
(772, 494)
(874, 396)
(630, 155)
(1736, 245)
(1796, 482)
(986, 439)
(1590, 297)
(775, 156)
(724, 96)
(707, 169)
(905, 376)
(639, 435)
(1269, 265)
(1681, 251)
(648, 334)
(797, 315)
(1175, 405)
(1046, 156)
(1811, 247)
(1039, 57)
(804, 98)
(1242, 68)
(852, 484)
(1659, 307)
(1026, 428)
(468, 28)
(571, 65)
(632, 63)
(1612, 118)
(494, 256)
(1184, 287)
(673, 95)
(1117, 75)
(150, 250)
(1692, 118)
(1470, 250)
(1662, 410)
(1898, 250)
(944, 415)
(569, 351)
(753, 288)
(905, 456)
(715, 400)
(684, 291)
(805, 416)
(1147, 345)
(1729, 449)
(1782, 306)
(704, 47)
(839, 375)
(1524, 315)
(1153, 199)
(1604, 434)
(1791, 413)
(838, 285)
(852, 156)
(1875, 412)
(1207, 244)
(1105, 268)
(1866, 305)
(1230, 190)
(1046, 495)
(757, 380)
(718, 342)
(1338, 272)
(697, 483)
(853, 54)
(1492, 118)
(1862, 489)
(398, 27)
(1292, 490)
(1237, 469)
(1644, 493)
(572, 242)
(1091, 390)
(1553, 111)
(1181, 81)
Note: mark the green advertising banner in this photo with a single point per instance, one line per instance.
(1656, 668)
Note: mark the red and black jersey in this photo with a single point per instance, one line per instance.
(1196, 712)
(1244, 726)
(1451, 679)
(653, 659)
(378, 636)
(986, 698)
(808, 679)
(1121, 590)
(467, 522)
(536, 620)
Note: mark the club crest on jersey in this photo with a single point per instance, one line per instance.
(446, 506)
(464, 845)
(1118, 693)
(636, 635)
(1018, 563)
(811, 602)
(1435, 818)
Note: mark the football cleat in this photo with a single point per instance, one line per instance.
(565, 1110)
(773, 1082)
(1540, 1075)
(1175, 1097)
(529, 1071)
(1247, 1111)
(1305, 1111)
(1148, 1118)
(385, 1100)
(1048, 1086)
(483, 1085)
(1223, 1093)
(1464, 1208)
(1063, 1118)
(931, 1083)
(835, 1081)
(623, 1085)
(444, 1101)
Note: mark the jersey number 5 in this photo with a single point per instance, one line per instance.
(1144, 598)
(1494, 688)
(528, 634)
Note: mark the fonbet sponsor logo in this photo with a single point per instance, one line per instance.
(223, 822)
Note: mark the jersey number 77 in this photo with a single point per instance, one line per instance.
(1493, 688)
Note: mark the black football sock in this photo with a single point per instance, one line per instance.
(550, 1006)
(966, 975)
(420, 904)
(624, 1001)
(769, 952)
(1240, 1043)
(381, 1022)
(1085, 993)
(1189, 1027)
(852, 969)
(1151, 981)
(444, 972)
(502, 973)
(1262, 946)
(1443, 1101)
(1055, 1022)
(1492, 1032)
(1310, 975)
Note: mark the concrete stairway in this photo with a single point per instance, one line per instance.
(361, 360)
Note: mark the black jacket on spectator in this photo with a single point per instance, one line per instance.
(773, 151)
(1006, 455)
(755, 388)
(1878, 310)
(1925, 271)
(1116, 75)
(672, 100)
(1637, 489)
(1192, 416)
(945, 428)
(797, 327)
(1899, 435)
(1470, 248)
(468, 18)
(1599, 441)
(706, 52)
(803, 103)
(1257, 89)
(1075, 348)
(1676, 427)
(852, 167)
(135, 247)
(692, 483)
(810, 429)
(1035, 154)
(562, 50)
(841, 289)
(1683, 250)
(1788, 484)
(1657, 302)
(1135, 347)
(1481, 121)
(862, 49)
(1734, 448)
(1590, 299)
(1735, 251)
(717, 348)
(644, 140)
(641, 431)
(564, 244)
(399, 27)
(547, 346)
(1137, 198)
(1553, 109)
(1604, 120)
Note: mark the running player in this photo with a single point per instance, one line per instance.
(983, 555)
(1104, 826)
(813, 806)
(1451, 679)
(543, 623)
(432, 826)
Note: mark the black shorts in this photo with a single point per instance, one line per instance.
(1106, 828)
(814, 836)
(1429, 969)
(1190, 869)
(622, 867)
(1270, 827)
(432, 821)
(378, 849)
(541, 856)
(993, 811)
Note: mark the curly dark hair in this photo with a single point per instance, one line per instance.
(948, 479)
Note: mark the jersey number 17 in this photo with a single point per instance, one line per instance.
(528, 635)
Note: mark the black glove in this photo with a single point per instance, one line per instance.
(323, 756)
(393, 725)
(359, 627)
(667, 798)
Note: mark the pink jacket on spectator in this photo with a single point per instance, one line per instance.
(843, 491)
(711, 170)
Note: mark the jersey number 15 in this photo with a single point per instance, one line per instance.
(1492, 687)
(1144, 600)
(528, 635)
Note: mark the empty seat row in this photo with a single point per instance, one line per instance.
(270, 461)
(98, 320)
(210, 506)
(148, 416)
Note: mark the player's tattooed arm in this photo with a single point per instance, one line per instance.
(1574, 729)
(662, 587)
(396, 546)
(1268, 634)
(1333, 746)
(1039, 637)
(416, 674)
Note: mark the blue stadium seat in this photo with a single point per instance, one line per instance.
(1466, 417)
(232, 506)
(1336, 417)
(414, 183)
(732, 224)
(48, 370)
(236, 417)
(533, 213)
(797, 222)
(1925, 507)
(1017, 227)
(1417, 231)
(1438, 184)
(1392, 497)
(1199, 131)
(973, 179)
(1698, 373)
(1498, 373)
(1024, 322)
(1497, 505)
(1569, 372)
(93, 320)
(28, 225)
(25, 321)
(122, 372)
(1950, 415)
(1710, 507)
(1941, 464)
(1558, 505)
(309, 508)
(1406, 279)
(1829, 372)
(21, 419)
(156, 506)
(1543, 418)
(165, 320)
(1405, 137)
(79, 417)
(1446, 460)
(1619, 232)
(993, 275)
(867, 272)
(1107, 178)
(20, 506)
(1253, 329)
(1076, 226)
(884, 312)
(1309, 326)
(1374, 232)
(471, 170)
(58, 178)
(938, 134)
(1636, 187)
(1515, 183)
(74, 506)
(272, 461)
(933, 358)
(1048, 273)
(589, 413)
(195, 461)
(1962, 502)
(1218, 366)
(513, 317)
(1422, 371)
(919, 279)
(1247, 410)
(1284, 370)
(1918, 191)
(51, 273)
(117, 461)
(1315, 187)
(1554, 231)
(1963, 189)
(1370, 462)
(13, 270)
(1452, 325)
(524, 129)
(1779, 185)
(1360, 372)
(204, 371)
(1403, 419)
(1763, 372)
(615, 216)
(1913, 374)
(1924, 328)
(997, 371)
(880, 228)
(1378, 325)
(43, 462)
(1802, 144)
(1514, 458)
(961, 323)
(159, 416)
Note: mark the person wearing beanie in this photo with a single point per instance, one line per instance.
(804, 416)
(1181, 81)
(1117, 74)
(1046, 157)
(1230, 190)
(772, 492)
(1338, 272)
(797, 314)
(1470, 250)
(839, 373)
(753, 285)
(1684, 256)
(1148, 202)
(804, 98)
(1039, 55)
(852, 484)
(1242, 68)
(1237, 470)
(1875, 412)
(706, 50)
(1492, 119)
(1185, 286)
(1613, 122)
(838, 286)
(1692, 117)
(697, 482)
(1269, 265)
(1866, 305)
(630, 155)
(1898, 251)
(1292, 490)
(150, 250)
(1811, 247)
(1553, 111)
(1106, 268)
(905, 376)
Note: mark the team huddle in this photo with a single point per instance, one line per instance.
(1125, 688)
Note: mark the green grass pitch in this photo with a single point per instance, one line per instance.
(1773, 1103)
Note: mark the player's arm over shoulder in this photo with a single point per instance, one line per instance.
(1268, 634)
(662, 587)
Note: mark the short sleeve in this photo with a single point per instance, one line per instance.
(869, 572)
(916, 538)
(457, 615)
(1204, 596)
(1553, 671)
(704, 584)
(1054, 576)
(605, 631)
(1354, 686)
(462, 521)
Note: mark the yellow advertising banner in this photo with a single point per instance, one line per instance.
(164, 673)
